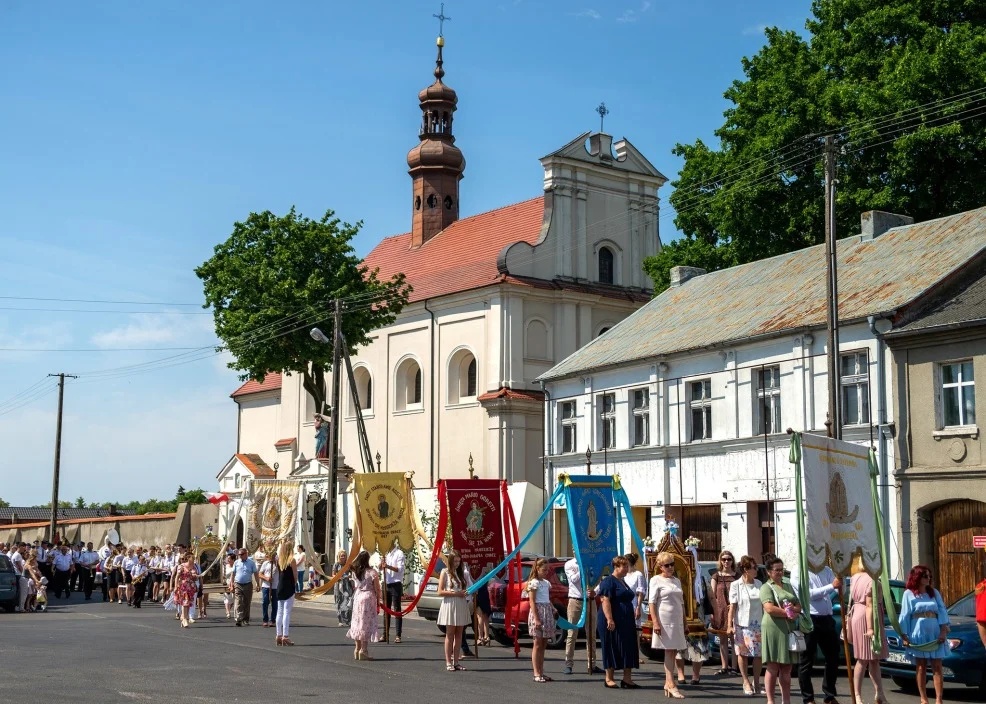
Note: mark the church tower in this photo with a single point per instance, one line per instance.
(436, 164)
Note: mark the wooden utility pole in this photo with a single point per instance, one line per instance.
(834, 421)
(330, 503)
(58, 454)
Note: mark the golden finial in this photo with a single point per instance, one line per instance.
(440, 41)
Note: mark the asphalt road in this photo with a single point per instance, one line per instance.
(94, 652)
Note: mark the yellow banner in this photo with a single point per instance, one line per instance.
(385, 510)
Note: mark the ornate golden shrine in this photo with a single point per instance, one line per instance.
(684, 570)
(208, 553)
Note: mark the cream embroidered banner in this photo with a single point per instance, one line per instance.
(273, 515)
(839, 518)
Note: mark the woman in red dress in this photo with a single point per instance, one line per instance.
(187, 587)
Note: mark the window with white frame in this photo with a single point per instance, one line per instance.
(768, 400)
(700, 403)
(640, 401)
(607, 421)
(407, 386)
(958, 394)
(364, 390)
(569, 429)
(462, 384)
(236, 481)
(854, 381)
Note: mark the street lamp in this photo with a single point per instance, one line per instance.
(319, 336)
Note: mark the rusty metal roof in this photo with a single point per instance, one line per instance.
(787, 292)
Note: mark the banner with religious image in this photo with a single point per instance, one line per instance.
(385, 510)
(273, 514)
(476, 519)
(840, 522)
(592, 509)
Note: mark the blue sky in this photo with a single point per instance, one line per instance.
(135, 134)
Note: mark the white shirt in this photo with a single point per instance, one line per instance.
(138, 569)
(541, 589)
(104, 552)
(129, 562)
(89, 558)
(18, 561)
(821, 589)
(746, 599)
(574, 579)
(638, 585)
(63, 562)
(395, 558)
(301, 558)
(42, 556)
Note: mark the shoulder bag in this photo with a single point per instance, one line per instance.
(796, 638)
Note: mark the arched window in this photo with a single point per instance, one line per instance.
(537, 340)
(603, 331)
(407, 385)
(606, 266)
(462, 377)
(364, 389)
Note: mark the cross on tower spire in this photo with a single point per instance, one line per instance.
(603, 112)
(441, 17)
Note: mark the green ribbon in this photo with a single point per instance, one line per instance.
(804, 622)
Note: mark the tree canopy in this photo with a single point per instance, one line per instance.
(883, 77)
(194, 496)
(276, 277)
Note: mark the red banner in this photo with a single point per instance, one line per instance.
(476, 518)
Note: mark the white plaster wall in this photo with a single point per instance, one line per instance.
(259, 425)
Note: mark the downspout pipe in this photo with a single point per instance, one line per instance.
(549, 532)
(881, 420)
(431, 402)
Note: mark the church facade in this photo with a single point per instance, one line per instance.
(498, 299)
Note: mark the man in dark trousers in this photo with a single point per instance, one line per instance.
(62, 569)
(822, 586)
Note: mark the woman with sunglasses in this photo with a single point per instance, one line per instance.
(923, 619)
(667, 615)
(781, 609)
(722, 580)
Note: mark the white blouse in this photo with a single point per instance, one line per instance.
(746, 598)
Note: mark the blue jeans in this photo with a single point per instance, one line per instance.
(268, 604)
(300, 587)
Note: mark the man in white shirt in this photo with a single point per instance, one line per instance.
(17, 559)
(825, 636)
(140, 575)
(105, 552)
(75, 579)
(393, 567)
(88, 561)
(62, 569)
(575, 587)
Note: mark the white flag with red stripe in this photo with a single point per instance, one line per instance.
(215, 498)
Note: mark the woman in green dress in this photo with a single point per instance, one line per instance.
(781, 609)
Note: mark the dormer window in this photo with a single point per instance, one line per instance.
(606, 267)
(448, 202)
(432, 200)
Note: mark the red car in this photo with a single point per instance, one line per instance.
(521, 608)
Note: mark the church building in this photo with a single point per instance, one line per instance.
(498, 299)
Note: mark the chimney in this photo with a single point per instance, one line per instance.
(112, 509)
(601, 145)
(681, 274)
(874, 223)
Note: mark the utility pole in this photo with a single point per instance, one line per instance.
(834, 422)
(58, 453)
(330, 503)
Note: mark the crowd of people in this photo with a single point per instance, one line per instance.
(764, 628)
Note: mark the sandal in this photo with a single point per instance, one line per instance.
(722, 672)
(286, 641)
(397, 639)
(277, 641)
(450, 668)
(457, 666)
(541, 678)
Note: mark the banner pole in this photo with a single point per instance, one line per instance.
(843, 605)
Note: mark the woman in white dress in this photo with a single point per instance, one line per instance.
(454, 612)
(667, 614)
(744, 619)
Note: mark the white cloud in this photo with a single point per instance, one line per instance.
(152, 330)
(756, 29)
(588, 13)
(627, 17)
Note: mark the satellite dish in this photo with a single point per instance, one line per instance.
(114, 536)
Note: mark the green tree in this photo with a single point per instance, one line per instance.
(80, 502)
(4, 504)
(760, 193)
(275, 278)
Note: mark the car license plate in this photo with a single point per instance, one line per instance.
(431, 587)
(898, 658)
(496, 617)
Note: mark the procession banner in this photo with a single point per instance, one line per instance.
(273, 514)
(385, 510)
(592, 511)
(476, 517)
(840, 519)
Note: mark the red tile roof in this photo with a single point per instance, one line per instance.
(256, 465)
(463, 255)
(512, 395)
(271, 382)
(286, 442)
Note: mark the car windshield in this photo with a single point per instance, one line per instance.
(966, 606)
(5, 564)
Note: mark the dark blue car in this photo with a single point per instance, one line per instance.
(966, 664)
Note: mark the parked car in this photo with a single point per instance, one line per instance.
(966, 664)
(8, 585)
(430, 602)
(558, 595)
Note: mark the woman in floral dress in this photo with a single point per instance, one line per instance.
(187, 587)
(363, 628)
(745, 617)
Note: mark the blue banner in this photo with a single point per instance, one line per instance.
(595, 529)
